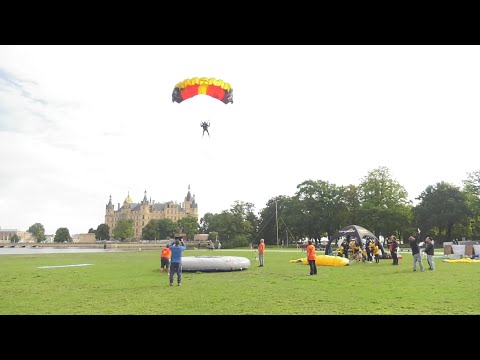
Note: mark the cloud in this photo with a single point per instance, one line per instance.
(78, 123)
(20, 111)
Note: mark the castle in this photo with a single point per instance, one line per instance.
(141, 213)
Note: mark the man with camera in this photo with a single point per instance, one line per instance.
(177, 248)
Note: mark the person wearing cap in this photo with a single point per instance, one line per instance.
(261, 251)
(429, 251)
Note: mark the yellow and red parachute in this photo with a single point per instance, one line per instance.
(215, 88)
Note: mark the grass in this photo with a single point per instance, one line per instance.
(130, 283)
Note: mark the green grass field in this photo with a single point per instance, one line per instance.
(130, 283)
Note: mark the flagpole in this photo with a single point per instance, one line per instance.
(276, 218)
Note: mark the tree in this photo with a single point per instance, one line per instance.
(233, 230)
(14, 238)
(124, 230)
(103, 232)
(38, 232)
(205, 223)
(187, 225)
(351, 203)
(441, 207)
(323, 205)
(310, 195)
(150, 231)
(158, 229)
(166, 229)
(385, 207)
(472, 190)
(62, 235)
(472, 184)
(247, 211)
(290, 219)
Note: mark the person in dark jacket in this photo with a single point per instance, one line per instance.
(394, 249)
(417, 257)
(429, 251)
(345, 247)
(205, 127)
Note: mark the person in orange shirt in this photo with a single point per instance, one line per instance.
(261, 251)
(165, 258)
(311, 257)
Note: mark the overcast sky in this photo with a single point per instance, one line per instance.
(81, 123)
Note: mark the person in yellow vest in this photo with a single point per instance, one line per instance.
(355, 251)
(261, 251)
(311, 257)
(371, 248)
(340, 251)
(376, 252)
(352, 246)
(165, 259)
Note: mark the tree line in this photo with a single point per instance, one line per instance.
(319, 208)
(379, 203)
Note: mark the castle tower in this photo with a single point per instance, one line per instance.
(110, 215)
(144, 213)
(188, 201)
(194, 204)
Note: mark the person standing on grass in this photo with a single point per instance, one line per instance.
(261, 251)
(429, 250)
(376, 251)
(176, 263)
(394, 249)
(165, 259)
(416, 251)
(312, 258)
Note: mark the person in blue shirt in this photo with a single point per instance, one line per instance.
(177, 248)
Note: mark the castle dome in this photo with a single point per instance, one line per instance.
(128, 199)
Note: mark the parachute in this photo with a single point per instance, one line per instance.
(215, 88)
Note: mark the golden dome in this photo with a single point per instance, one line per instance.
(128, 199)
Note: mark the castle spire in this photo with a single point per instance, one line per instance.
(110, 205)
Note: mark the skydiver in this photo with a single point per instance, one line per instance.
(205, 126)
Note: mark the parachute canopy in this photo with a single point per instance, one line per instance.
(215, 88)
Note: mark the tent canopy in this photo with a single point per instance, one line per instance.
(354, 231)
